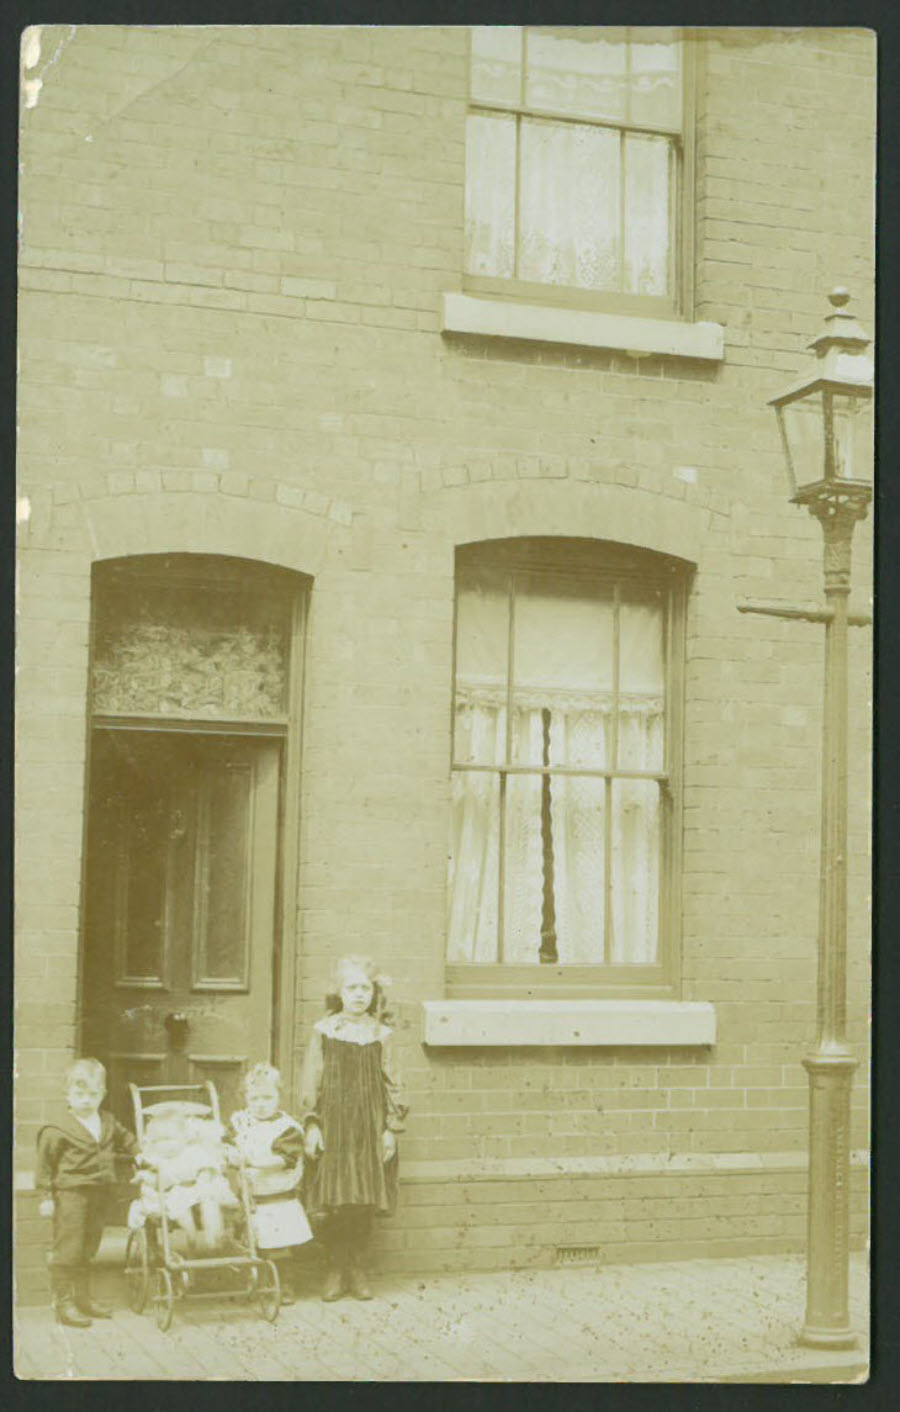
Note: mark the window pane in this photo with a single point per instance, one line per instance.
(641, 684)
(563, 637)
(641, 654)
(143, 848)
(474, 868)
(482, 632)
(655, 89)
(563, 656)
(479, 730)
(647, 214)
(490, 194)
(578, 809)
(555, 887)
(576, 71)
(224, 839)
(482, 647)
(497, 63)
(569, 205)
(524, 870)
(635, 871)
(641, 732)
(566, 732)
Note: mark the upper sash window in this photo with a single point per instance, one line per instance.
(576, 164)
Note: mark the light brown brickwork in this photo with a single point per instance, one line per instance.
(234, 245)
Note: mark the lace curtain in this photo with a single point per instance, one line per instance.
(565, 710)
(578, 806)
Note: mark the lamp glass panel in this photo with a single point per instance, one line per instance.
(852, 431)
(803, 429)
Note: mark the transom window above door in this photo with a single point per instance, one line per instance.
(191, 636)
(578, 165)
(566, 765)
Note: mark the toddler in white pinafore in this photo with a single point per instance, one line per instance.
(270, 1144)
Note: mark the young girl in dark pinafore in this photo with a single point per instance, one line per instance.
(353, 1111)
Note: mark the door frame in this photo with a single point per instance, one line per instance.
(284, 1001)
(288, 938)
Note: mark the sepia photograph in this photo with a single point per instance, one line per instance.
(443, 866)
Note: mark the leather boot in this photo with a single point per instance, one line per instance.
(68, 1313)
(333, 1287)
(357, 1279)
(87, 1304)
(64, 1306)
(288, 1293)
(359, 1236)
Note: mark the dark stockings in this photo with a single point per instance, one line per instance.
(346, 1239)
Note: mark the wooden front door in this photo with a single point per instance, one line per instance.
(180, 909)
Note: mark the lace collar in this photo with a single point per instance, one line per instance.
(362, 1030)
(245, 1119)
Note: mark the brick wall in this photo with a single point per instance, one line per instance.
(234, 247)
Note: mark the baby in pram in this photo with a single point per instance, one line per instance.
(182, 1165)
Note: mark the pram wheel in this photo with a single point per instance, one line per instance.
(268, 1290)
(164, 1299)
(137, 1270)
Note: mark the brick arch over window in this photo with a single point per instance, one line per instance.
(119, 526)
(624, 514)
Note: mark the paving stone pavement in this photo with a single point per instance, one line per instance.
(698, 1320)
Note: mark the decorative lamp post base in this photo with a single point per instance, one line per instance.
(811, 1337)
(827, 1319)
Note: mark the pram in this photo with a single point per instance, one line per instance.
(152, 1256)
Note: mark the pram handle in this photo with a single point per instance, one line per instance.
(207, 1087)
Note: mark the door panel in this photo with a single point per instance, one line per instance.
(180, 906)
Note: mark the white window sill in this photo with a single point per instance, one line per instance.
(569, 1022)
(500, 318)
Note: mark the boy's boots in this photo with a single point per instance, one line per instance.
(84, 1300)
(65, 1308)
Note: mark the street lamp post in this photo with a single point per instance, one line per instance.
(825, 422)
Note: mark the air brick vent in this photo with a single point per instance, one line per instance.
(577, 1255)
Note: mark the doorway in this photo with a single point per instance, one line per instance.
(189, 818)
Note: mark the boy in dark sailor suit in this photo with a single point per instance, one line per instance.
(75, 1173)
